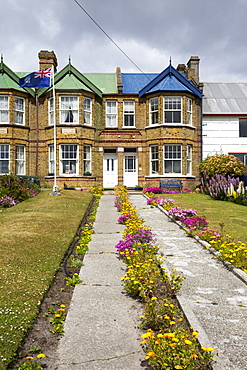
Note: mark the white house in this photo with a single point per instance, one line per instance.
(224, 123)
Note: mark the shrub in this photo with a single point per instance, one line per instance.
(227, 165)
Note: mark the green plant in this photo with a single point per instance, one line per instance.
(74, 280)
(75, 262)
(35, 349)
(31, 363)
(222, 164)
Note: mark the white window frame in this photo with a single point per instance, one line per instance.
(87, 111)
(20, 159)
(51, 163)
(111, 113)
(128, 113)
(189, 112)
(69, 109)
(51, 111)
(172, 108)
(172, 158)
(69, 156)
(19, 110)
(154, 159)
(87, 158)
(4, 109)
(189, 160)
(4, 157)
(153, 111)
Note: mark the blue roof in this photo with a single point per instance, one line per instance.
(168, 80)
(134, 82)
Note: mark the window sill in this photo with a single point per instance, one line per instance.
(170, 125)
(170, 176)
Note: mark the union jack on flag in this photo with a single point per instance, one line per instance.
(41, 78)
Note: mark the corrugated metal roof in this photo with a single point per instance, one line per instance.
(225, 98)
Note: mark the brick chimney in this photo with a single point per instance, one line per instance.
(193, 68)
(181, 68)
(47, 59)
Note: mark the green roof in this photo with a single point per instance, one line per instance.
(106, 82)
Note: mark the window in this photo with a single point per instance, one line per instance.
(172, 110)
(189, 112)
(51, 168)
(111, 113)
(242, 127)
(19, 111)
(4, 109)
(69, 109)
(172, 159)
(87, 111)
(20, 160)
(51, 111)
(87, 158)
(153, 106)
(154, 160)
(241, 156)
(129, 114)
(189, 160)
(68, 159)
(4, 158)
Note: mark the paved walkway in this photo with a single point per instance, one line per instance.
(101, 329)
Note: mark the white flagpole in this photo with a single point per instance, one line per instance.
(55, 187)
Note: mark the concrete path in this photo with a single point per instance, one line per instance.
(213, 298)
(101, 328)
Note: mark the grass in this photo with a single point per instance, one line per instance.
(216, 212)
(35, 236)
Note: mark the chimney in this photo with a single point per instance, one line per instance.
(181, 68)
(193, 68)
(47, 59)
(119, 80)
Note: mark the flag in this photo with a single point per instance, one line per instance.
(36, 79)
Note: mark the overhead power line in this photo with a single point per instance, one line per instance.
(106, 34)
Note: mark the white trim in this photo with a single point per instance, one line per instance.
(20, 111)
(19, 160)
(111, 114)
(130, 113)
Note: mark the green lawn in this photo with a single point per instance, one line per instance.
(216, 212)
(35, 236)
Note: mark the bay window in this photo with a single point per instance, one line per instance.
(154, 160)
(129, 113)
(68, 159)
(111, 113)
(19, 111)
(51, 111)
(153, 109)
(20, 159)
(87, 158)
(189, 160)
(4, 109)
(87, 111)
(172, 158)
(4, 158)
(69, 109)
(173, 109)
(51, 164)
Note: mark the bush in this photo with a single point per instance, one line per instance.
(221, 164)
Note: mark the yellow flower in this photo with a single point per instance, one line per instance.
(187, 342)
(146, 335)
(150, 354)
(153, 298)
(41, 355)
(194, 355)
(29, 358)
(143, 342)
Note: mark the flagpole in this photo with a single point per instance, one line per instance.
(55, 187)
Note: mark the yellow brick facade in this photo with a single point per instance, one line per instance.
(111, 148)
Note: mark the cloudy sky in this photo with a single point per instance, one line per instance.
(148, 31)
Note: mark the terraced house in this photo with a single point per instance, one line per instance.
(111, 128)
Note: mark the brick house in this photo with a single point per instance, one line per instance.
(111, 128)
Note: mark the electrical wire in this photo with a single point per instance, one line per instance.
(84, 10)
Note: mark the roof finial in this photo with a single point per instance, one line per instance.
(170, 61)
(1, 58)
(69, 60)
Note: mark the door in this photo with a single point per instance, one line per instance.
(110, 170)
(130, 170)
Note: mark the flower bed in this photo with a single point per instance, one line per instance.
(168, 342)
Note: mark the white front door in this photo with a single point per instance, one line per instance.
(130, 170)
(110, 171)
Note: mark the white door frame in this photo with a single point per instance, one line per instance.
(130, 168)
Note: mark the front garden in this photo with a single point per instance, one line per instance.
(34, 241)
